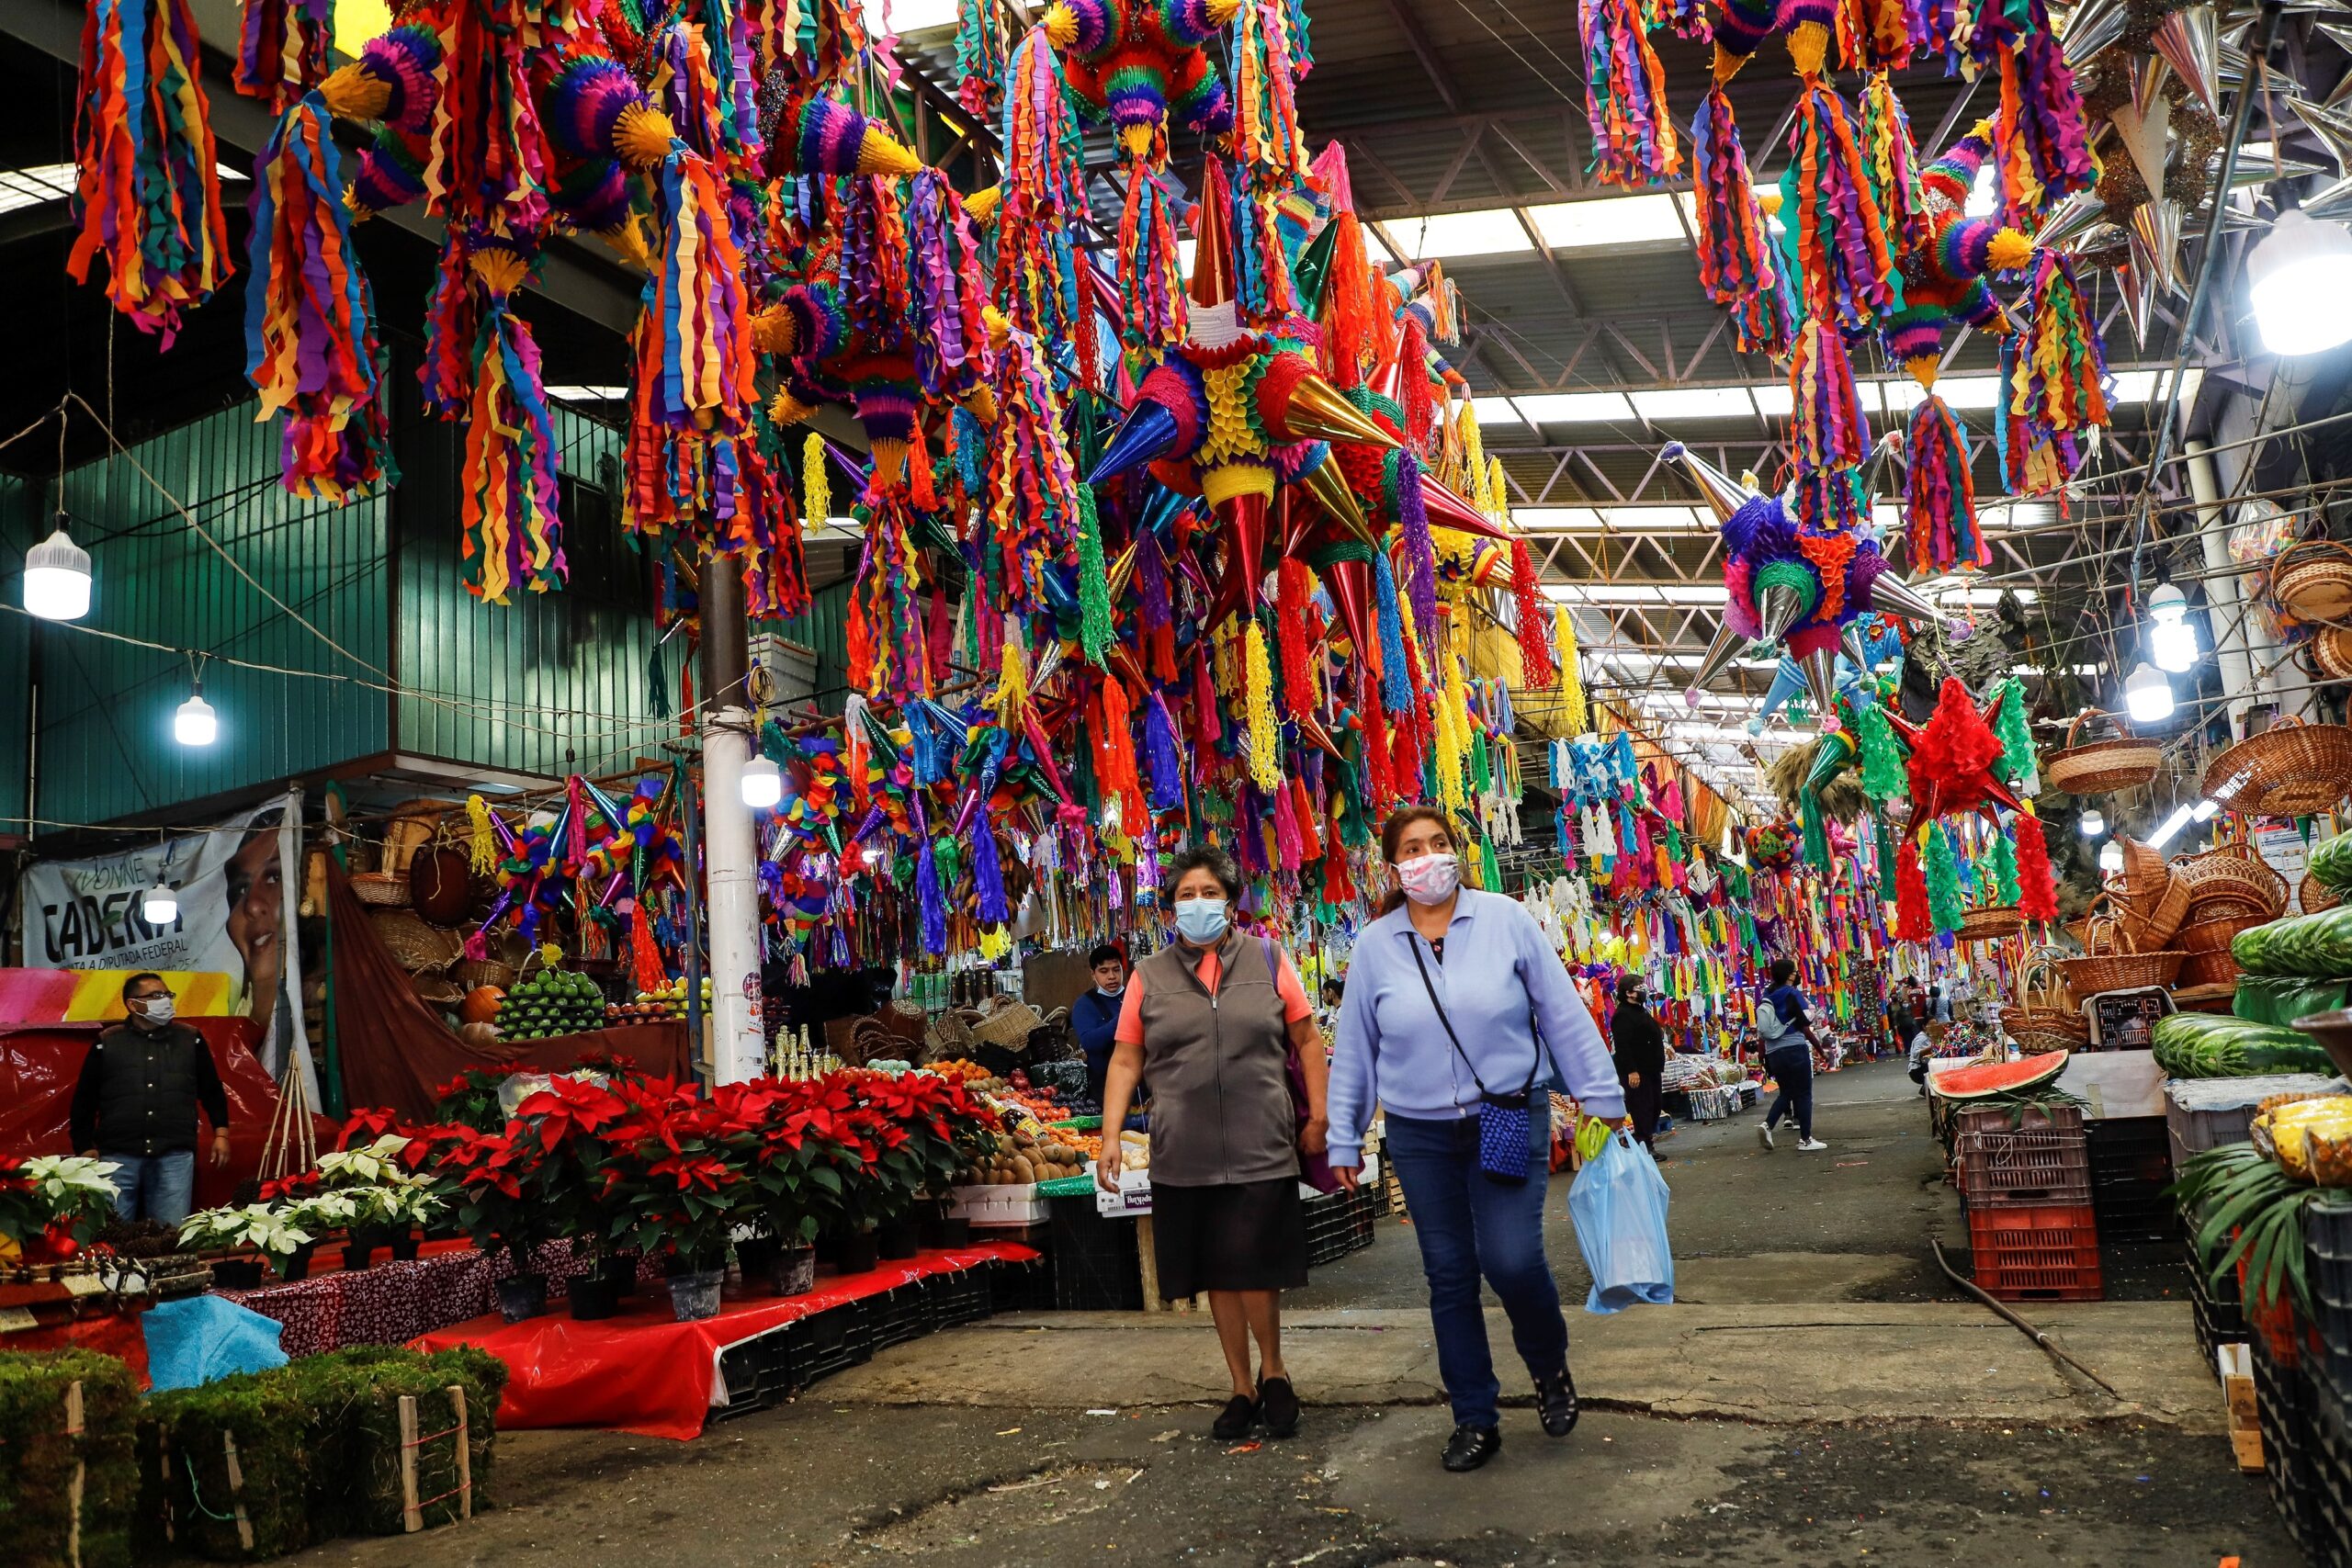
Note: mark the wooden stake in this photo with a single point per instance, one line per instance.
(75, 1488)
(163, 1474)
(465, 1453)
(237, 1490)
(1148, 1258)
(411, 1516)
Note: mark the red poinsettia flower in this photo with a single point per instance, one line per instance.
(694, 1172)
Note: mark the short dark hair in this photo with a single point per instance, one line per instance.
(1783, 971)
(1202, 858)
(1332, 984)
(143, 974)
(1935, 990)
(1104, 955)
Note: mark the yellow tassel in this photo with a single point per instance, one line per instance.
(816, 492)
(1012, 686)
(1265, 739)
(485, 842)
(1575, 719)
(1498, 491)
(1473, 459)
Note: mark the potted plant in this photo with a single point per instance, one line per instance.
(924, 1129)
(572, 1119)
(51, 1204)
(264, 1227)
(389, 1200)
(781, 1135)
(484, 1174)
(675, 1172)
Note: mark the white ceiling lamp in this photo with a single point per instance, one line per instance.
(2110, 857)
(57, 578)
(193, 722)
(160, 905)
(2147, 696)
(2172, 641)
(2091, 824)
(763, 783)
(2181, 818)
(2299, 280)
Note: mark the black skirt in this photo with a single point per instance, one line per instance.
(1243, 1235)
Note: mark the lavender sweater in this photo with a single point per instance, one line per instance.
(1393, 1051)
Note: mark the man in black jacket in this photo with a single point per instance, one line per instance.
(136, 1102)
(1640, 1048)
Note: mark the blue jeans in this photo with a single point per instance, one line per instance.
(1468, 1226)
(1791, 1068)
(154, 1187)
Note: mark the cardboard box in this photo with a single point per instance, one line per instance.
(1015, 1204)
(1131, 1201)
(2235, 1362)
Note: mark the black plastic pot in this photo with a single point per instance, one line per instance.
(523, 1295)
(296, 1265)
(756, 1256)
(237, 1274)
(897, 1240)
(856, 1253)
(405, 1241)
(954, 1230)
(359, 1247)
(594, 1298)
(619, 1271)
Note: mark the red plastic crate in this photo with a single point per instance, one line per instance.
(2039, 1253)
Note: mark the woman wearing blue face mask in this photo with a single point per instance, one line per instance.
(1457, 1013)
(1213, 1019)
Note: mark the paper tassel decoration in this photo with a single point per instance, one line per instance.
(2037, 891)
(816, 486)
(1093, 590)
(282, 48)
(1946, 907)
(1845, 258)
(2050, 377)
(2016, 765)
(1537, 672)
(1828, 429)
(980, 46)
(2005, 867)
(1883, 773)
(2041, 136)
(1632, 133)
(508, 483)
(1939, 493)
(148, 187)
(1151, 279)
(1737, 266)
(1574, 716)
(310, 348)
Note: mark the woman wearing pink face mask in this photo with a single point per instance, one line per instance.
(1457, 1014)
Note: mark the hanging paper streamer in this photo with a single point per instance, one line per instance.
(310, 347)
(148, 187)
(980, 47)
(1736, 263)
(1151, 279)
(1632, 133)
(1890, 160)
(282, 48)
(2053, 378)
(2037, 891)
(1573, 709)
(508, 484)
(1940, 494)
(1829, 428)
(1912, 919)
(1845, 260)
(2040, 134)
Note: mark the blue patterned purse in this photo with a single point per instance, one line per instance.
(1505, 1130)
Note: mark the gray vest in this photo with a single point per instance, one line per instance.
(147, 1089)
(1220, 1093)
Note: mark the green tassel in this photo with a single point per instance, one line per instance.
(2016, 742)
(1817, 836)
(1945, 906)
(1883, 776)
(949, 856)
(1491, 872)
(2005, 869)
(1885, 858)
(1093, 582)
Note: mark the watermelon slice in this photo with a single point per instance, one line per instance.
(1982, 1080)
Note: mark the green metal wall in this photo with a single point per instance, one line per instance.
(20, 517)
(106, 749)
(547, 683)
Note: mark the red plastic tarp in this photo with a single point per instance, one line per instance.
(39, 1062)
(395, 1051)
(644, 1372)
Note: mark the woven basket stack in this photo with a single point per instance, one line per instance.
(2231, 889)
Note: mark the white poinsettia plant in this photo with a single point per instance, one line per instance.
(383, 1191)
(70, 1181)
(59, 1195)
(372, 1164)
(265, 1227)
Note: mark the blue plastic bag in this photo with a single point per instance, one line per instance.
(1618, 1203)
(204, 1338)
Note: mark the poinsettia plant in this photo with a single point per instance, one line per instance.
(571, 1122)
(676, 1175)
(482, 1176)
(51, 1204)
(265, 1227)
(470, 1099)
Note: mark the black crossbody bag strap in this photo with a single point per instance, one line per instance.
(1485, 1093)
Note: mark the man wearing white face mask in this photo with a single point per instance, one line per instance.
(136, 1101)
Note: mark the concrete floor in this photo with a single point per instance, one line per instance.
(1817, 1392)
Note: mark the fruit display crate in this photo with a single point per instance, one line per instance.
(2285, 1411)
(2327, 1260)
(2036, 1253)
(776, 1366)
(896, 1316)
(2040, 1167)
(953, 1299)
(1337, 1224)
(1023, 1286)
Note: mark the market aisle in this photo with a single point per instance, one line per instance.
(1810, 1310)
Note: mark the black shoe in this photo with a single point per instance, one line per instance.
(1278, 1407)
(1555, 1400)
(1470, 1447)
(1240, 1414)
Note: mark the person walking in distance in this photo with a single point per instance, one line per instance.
(136, 1101)
(1641, 1058)
(1789, 1045)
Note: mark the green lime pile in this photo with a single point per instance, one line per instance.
(552, 1001)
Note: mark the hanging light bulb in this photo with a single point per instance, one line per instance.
(2147, 696)
(2091, 824)
(763, 783)
(57, 578)
(2172, 641)
(193, 722)
(160, 905)
(2299, 281)
(2110, 857)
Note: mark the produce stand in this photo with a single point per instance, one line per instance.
(644, 1372)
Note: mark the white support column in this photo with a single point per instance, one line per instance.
(730, 855)
(2224, 599)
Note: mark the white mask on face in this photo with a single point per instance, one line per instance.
(155, 1009)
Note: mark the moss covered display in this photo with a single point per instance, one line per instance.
(44, 1520)
(226, 1468)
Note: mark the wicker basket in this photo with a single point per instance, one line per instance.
(473, 973)
(2149, 916)
(2330, 652)
(2046, 1009)
(379, 890)
(2291, 769)
(413, 944)
(1990, 924)
(2207, 943)
(2312, 581)
(2100, 767)
(2112, 962)
(2230, 880)
(2313, 896)
(1008, 1026)
(949, 1038)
